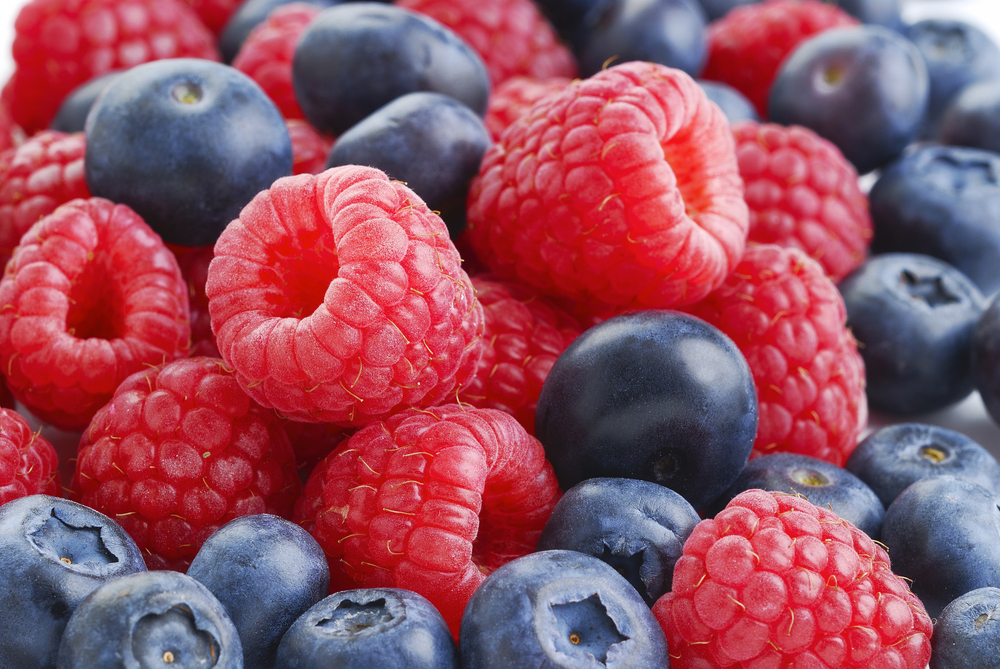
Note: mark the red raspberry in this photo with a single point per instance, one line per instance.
(788, 319)
(312, 442)
(179, 451)
(803, 193)
(28, 462)
(513, 98)
(193, 262)
(11, 134)
(620, 192)
(522, 337)
(91, 296)
(310, 148)
(215, 14)
(431, 501)
(774, 581)
(266, 55)
(60, 44)
(747, 46)
(511, 36)
(41, 174)
(340, 298)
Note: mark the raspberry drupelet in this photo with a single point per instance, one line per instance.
(309, 148)
(513, 98)
(28, 462)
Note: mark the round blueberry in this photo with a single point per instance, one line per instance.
(733, 104)
(150, 619)
(248, 15)
(383, 628)
(716, 9)
(267, 572)
(559, 609)
(967, 633)
(72, 114)
(942, 201)
(637, 527)
(913, 317)
(186, 143)
(889, 460)
(53, 553)
(973, 117)
(653, 395)
(886, 13)
(431, 142)
(986, 358)
(567, 15)
(864, 88)
(356, 57)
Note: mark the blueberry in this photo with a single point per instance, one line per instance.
(637, 527)
(972, 118)
(986, 358)
(266, 571)
(72, 114)
(559, 609)
(653, 395)
(889, 460)
(668, 32)
(886, 13)
(186, 143)
(822, 483)
(248, 15)
(967, 634)
(716, 9)
(941, 533)
(913, 317)
(53, 552)
(356, 57)
(733, 104)
(151, 619)
(431, 142)
(944, 202)
(567, 15)
(864, 88)
(383, 628)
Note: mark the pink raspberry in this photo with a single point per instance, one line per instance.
(513, 98)
(28, 463)
(310, 148)
(215, 14)
(11, 134)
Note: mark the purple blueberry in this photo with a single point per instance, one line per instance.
(53, 553)
(72, 114)
(736, 106)
(559, 609)
(967, 633)
(150, 619)
(637, 527)
(248, 15)
(973, 117)
(378, 628)
(654, 395)
(267, 572)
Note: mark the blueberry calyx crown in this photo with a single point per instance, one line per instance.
(930, 289)
(70, 544)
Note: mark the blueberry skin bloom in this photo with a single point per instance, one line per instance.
(967, 635)
(637, 527)
(891, 459)
(150, 619)
(653, 395)
(559, 609)
(356, 57)
(972, 118)
(266, 572)
(383, 628)
(53, 553)
(864, 88)
(186, 143)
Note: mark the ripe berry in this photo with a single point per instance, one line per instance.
(513, 98)
(28, 463)
(309, 148)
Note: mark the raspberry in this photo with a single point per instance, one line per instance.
(514, 97)
(803, 193)
(43, 173)
(511, 36)
(266, 55)
(179, 451)
(522, 337)
(431, 501)
(59, 45)
(215, 14)
(309, 148)
(789, 321)
(622, 191)
(11, 134)
(193, 262)
(340, 298)
(774, 581)
(28, 462)
(747, 46)
(91, 296)
(312, 442)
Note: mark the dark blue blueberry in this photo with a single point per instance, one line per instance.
(913, 317)
(967, 633)
(567, 15)
(267, 572)
(864, 88)
(248, 16)
(653, 395)
(559, 609)
(186, 143)
(53, 552)
(668, 32)
(151, 619)
(889, 460)
(942, 201)
(986, 358)
(716, 9)
(378, 628)
(879, 12)
(431, 142)
(356, 57)
(733, 104)
(637, 527)
(822, 483)
(72, 114)
(942, 533)
(973, 117)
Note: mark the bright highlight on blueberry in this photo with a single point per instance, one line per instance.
(350, 617)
